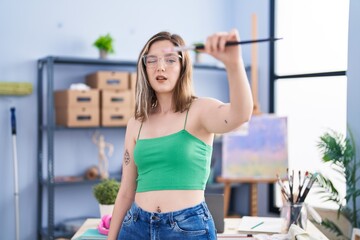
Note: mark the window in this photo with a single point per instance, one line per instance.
(308, 78)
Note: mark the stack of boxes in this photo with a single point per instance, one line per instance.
(111, 101)
(115, 96)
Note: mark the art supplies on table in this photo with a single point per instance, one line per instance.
(268, 225)
(299, 194)
(294, 210)
(91, 234)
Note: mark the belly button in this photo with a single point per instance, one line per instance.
(158, 210)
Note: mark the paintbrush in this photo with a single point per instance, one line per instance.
(301, 185)
(282, 188)
(308, 187)
(230, 43)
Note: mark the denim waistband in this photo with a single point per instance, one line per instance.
(168, 217)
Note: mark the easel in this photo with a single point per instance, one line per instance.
(253, 191)
(254, 66)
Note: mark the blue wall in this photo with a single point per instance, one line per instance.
(31, 30)
(353, 75)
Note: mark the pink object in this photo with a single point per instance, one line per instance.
(104, 225)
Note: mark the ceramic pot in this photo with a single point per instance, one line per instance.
(106, 209)
(103, 54)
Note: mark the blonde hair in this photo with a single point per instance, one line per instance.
(145, 96)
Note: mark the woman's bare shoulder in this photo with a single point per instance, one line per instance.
(204, 102)
(133, 122)
(133, 126)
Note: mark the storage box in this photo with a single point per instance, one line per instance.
(115, 116)
(78, 117)
(132, 87)
(115, 99)
(76, 98)
(108, 80)
(132, 81)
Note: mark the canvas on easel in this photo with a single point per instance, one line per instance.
(258, 151)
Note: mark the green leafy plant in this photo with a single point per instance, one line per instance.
(106, 191)
(105, 43)
(339, 152)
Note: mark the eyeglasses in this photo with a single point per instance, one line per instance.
(152, 61)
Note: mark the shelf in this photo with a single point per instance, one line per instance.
(87, 61)
(62, 128)
(72, 181)
(79, 180)
(107, 62)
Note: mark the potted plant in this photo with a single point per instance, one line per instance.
(105, 193)
(105, 45)
(339, 152)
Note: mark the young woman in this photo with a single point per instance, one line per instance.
(168, 144)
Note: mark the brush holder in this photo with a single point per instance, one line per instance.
(294, 213)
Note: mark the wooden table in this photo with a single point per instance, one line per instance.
(253, 191)
(230, 232)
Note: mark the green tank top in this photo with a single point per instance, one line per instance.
(179, 161)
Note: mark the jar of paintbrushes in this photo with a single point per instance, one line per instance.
(293, 213)
(294, 209)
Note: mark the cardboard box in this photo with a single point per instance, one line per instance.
(115, 117)
(108, 80)
(78, 117)
(115, 99)
(76, 98)
(132, 87)
(132, 81)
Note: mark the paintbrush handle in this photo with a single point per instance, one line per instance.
(302, 198)
(307, 189)
(232, 43)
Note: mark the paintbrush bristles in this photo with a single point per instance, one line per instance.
(293, 194)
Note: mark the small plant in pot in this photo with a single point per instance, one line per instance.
(105, 45)
(105, 193)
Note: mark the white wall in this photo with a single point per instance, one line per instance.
(30, 30)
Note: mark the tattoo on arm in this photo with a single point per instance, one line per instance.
(126, 157)
(220, 106)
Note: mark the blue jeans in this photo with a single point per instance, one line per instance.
(190, 223)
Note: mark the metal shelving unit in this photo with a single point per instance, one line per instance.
(46, 130)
